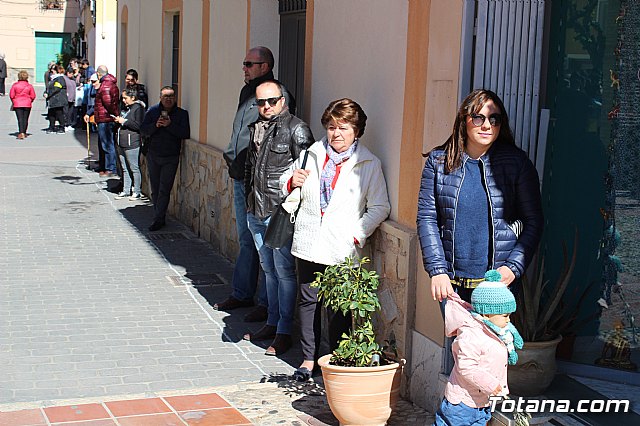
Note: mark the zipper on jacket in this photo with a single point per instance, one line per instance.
(491, 227)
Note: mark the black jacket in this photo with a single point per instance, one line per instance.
(236, 153)
(285, 138)
(166, 141)
(57, 92)
(129, 131)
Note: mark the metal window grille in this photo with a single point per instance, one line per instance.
(502, 52)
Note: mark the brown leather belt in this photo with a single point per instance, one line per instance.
(466, 282)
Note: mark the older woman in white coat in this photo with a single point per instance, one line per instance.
(343, 200)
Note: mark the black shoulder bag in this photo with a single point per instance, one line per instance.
(282, 223)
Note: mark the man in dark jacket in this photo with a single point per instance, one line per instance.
(257, 67)
(131, 82)
(167, 126)
(106, 109)
(277, 138)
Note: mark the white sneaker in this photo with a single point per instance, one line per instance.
(135, 197)
(69, 128)
(121, 195)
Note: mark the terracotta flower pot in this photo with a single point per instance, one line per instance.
(535, 369)
(361, 395)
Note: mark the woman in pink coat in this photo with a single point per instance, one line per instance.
(22, 96)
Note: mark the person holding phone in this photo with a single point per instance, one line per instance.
(166, 125)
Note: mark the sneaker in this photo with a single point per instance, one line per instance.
(68, 128)
(49, 131)
(135, 197)
(121, 195)
(61, 131)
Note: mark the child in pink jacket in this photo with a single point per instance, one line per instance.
(485, 343)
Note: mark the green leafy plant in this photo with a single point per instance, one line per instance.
(543, 313)
(349, 287)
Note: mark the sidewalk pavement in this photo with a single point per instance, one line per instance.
(94, 308)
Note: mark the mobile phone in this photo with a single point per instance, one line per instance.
(164, 114)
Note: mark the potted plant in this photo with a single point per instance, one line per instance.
(361, 378)
(542, 318)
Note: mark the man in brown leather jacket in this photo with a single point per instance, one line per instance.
(277, 139)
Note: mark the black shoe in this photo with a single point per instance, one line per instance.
(259, 314)
(232, 303)
(156, 225)
(302, 374)
(267, 332)
(281, 344)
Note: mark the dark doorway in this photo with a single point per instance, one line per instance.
(292, 38)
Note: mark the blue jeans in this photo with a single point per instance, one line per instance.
(461, 415)
(280, 275)
(130, 160)
(105, 133)
(247, 275)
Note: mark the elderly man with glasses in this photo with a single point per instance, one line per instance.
(257, 68)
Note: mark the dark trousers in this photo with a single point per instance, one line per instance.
(56, 114)
(162, 173)
(310, 313)
(2, 88)
(70, 114)
(22, 114)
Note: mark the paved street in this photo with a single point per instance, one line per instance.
(93, 307)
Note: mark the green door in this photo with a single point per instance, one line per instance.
(48, 45)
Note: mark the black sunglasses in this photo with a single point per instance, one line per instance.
(478, 119)
(249, 64)
(272, 101)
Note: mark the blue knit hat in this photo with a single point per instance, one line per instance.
(492, 297)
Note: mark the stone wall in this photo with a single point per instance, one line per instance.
(202, 196)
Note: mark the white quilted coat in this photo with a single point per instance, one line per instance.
(358, 205)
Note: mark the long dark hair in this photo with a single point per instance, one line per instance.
(472, 104)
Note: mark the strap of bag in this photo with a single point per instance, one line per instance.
(304, 160)
(292, 218)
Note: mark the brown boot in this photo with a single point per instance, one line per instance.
(267, 332)
(280, 345)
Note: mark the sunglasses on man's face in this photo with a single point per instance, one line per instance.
(478, 119)
(249, 64)
(271, 101)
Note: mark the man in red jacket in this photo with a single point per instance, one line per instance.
(105, 110)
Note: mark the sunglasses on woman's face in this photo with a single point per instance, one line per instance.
(272, 101)
(478, 119)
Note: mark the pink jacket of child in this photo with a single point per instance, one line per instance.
(480, 357)
(22, 94)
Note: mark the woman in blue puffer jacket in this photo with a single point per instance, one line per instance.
(479, 206)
